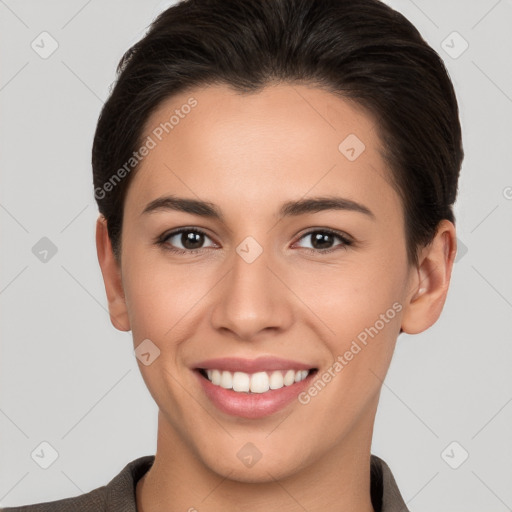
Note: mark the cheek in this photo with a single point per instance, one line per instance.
(360, 306)
(160, 296)
(352, 295)
(364, 321)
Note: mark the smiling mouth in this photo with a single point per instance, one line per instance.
(254, 383)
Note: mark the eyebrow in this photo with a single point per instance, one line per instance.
(288, 209)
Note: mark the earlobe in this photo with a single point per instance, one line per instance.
(111, 277)
(426, 297)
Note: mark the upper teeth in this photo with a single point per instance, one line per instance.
(256, 382)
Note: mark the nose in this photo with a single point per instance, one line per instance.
(253, 298)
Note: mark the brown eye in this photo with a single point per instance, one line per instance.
(322, 240)
(191, 240)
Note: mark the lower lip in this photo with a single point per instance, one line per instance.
(252, 405)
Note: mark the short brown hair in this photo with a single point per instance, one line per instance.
(358, 49)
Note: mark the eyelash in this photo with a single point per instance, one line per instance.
(162, 241)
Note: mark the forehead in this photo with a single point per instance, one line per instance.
(285, 140)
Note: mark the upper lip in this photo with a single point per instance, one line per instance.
(238, 364)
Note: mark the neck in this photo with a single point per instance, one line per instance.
(179, 481)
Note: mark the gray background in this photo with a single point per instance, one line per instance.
(69, 378)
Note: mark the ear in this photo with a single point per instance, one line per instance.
(430, 281)
(111, 277)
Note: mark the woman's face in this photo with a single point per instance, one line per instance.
(262, 280)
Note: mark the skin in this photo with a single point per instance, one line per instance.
(248, 154)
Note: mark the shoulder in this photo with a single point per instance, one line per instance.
(117, 495)
(93, 500)
(386, 496)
